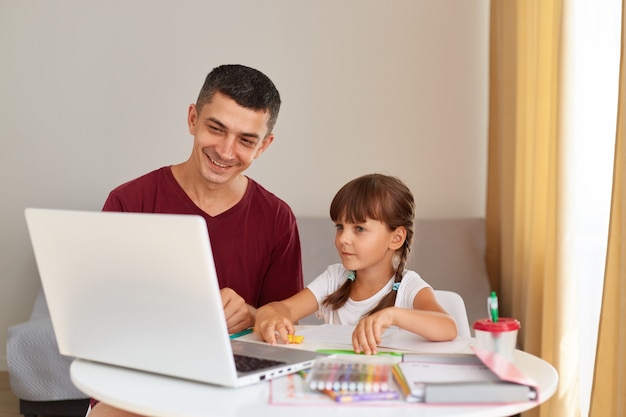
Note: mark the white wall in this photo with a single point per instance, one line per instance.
(95, 93)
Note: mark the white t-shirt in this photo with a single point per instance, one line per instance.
(352, 311)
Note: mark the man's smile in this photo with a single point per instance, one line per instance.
(218, 162)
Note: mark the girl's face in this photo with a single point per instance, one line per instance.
(367, 245)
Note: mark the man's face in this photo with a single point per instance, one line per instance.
(227, 138)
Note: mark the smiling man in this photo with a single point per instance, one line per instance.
(253, 233)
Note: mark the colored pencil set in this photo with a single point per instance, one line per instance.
(353, 377)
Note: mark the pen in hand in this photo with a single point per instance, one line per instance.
(492, 305)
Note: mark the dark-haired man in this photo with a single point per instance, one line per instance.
(254, 236)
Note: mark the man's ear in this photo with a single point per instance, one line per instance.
(267, 141)
(192, 119)
(398, 237)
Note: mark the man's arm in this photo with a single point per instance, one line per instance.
(239, 315)
(284, 277)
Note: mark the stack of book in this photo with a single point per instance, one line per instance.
(462, 379)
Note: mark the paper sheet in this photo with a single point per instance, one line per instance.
(393, 338)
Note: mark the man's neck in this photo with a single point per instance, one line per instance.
(213, 199)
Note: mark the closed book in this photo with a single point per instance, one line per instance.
(459, 379)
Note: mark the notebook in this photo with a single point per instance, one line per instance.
(140, 290)
(462, 379)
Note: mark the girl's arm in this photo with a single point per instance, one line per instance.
(427, 319)
(274, 321)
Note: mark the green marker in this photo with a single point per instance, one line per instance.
(241, 333)
(492, 305)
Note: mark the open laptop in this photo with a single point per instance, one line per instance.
(140, 291)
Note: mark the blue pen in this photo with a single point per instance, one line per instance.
(492, 305)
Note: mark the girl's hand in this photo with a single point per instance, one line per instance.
(274, 321)
(272, 327)
(369, 332)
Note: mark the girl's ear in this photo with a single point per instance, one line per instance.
(398, 237)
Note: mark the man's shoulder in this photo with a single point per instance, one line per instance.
(152, 177)
(258, 193)
(140, 194)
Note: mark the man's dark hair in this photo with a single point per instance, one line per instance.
(249, 88)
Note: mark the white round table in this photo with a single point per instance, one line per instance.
(162, 396)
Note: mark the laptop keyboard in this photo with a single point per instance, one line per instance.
(250, 363)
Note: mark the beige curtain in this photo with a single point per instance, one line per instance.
(609, 382)
(523, 205)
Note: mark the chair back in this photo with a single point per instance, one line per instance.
(455, 306)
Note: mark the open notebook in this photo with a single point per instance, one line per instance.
(140, 290)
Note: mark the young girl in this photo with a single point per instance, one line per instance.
(370, 289)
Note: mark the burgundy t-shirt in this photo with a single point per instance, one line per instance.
(255, 244)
